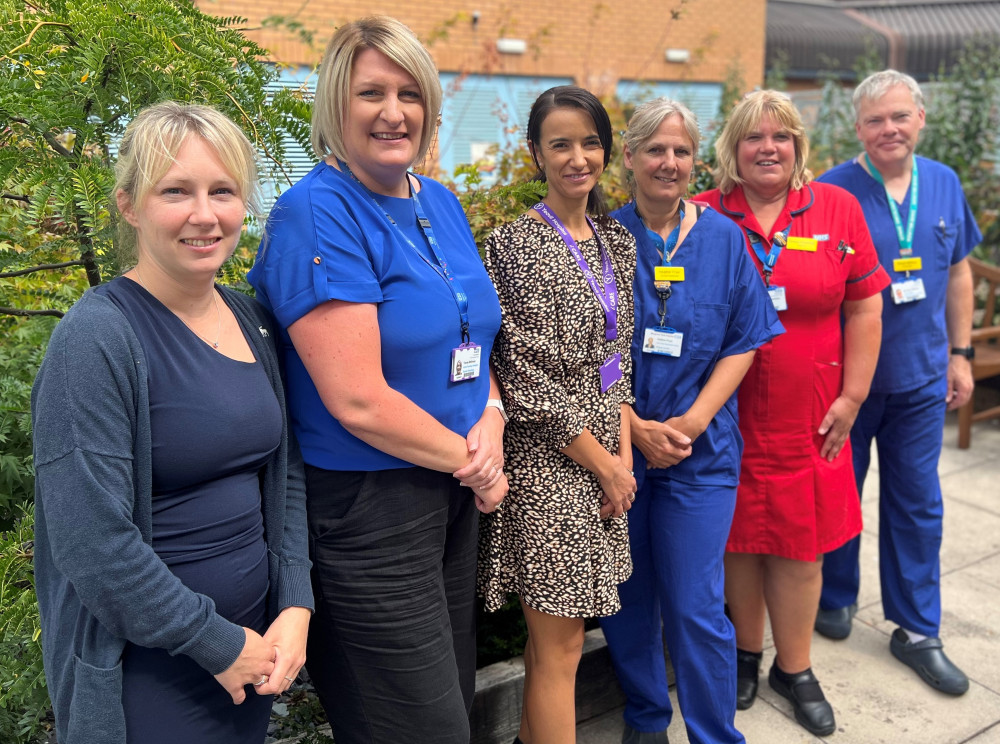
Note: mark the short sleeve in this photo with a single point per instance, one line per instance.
(753, 319)
(318, 246)
(866, 276)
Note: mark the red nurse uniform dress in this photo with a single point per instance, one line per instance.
(791, 502)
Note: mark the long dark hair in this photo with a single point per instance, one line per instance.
(571, 96)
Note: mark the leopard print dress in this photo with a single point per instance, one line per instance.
(547, 543)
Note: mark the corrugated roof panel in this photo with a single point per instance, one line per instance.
(935, 32)
(813, 36)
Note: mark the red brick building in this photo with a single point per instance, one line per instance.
(495, 57)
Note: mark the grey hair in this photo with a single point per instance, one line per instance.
(646, 119)
(649, 115)
(878, 84)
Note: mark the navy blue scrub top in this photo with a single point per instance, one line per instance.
(723, 309)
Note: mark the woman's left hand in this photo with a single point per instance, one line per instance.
(287, 634)
(836, 426)
(485, 443)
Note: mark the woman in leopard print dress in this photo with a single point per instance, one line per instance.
(562, 358)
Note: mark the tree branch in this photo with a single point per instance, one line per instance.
(43, 267)
(16, 197)
(28, 313)
(54, 144)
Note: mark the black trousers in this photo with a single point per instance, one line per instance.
(392, 645)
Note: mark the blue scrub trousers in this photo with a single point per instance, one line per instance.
(908, 429)
(677, 534)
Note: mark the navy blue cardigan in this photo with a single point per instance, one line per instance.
(98, 580)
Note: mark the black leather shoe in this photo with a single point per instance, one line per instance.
(631, 736)
(812, 711)
(835, 624)
(747, 675)
(927, 659)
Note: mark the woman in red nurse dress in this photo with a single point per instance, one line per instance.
(797, 498)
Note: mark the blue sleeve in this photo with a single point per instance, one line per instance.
(318, 246)
(753, 319)
(970, 235)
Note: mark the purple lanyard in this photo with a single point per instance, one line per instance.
(606, 292)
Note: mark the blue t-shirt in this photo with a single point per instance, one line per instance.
(327, 239)
(723, 309)
(914, 335)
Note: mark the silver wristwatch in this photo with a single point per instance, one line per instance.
(498, 404)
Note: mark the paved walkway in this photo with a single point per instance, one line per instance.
(876, 699)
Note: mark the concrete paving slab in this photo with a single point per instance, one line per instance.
(990, 736)
(876, 699)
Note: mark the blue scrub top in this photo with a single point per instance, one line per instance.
(915, 347)
(723, 309)
(325, 239)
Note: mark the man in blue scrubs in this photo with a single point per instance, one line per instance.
(923, 230)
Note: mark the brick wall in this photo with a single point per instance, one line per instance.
(596, 42)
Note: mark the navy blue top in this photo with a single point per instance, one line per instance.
(915, 345)
(723, 310)
(327, 240)
(214, 423)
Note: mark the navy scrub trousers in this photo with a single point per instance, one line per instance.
(908, 429)
(677, 534)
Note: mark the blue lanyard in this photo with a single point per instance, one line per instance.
(607, 291)
(769, 259)
(664, 288)
(442, 269)
(905, 239)
(668, 247)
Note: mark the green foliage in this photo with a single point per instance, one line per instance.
(24, 701)
(500, 635)
(732, 89)
(20, 354)
(74, 72)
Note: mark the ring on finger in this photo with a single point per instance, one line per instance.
(290, 679)
(263, 679)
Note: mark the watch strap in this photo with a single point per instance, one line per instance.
(498, 404)
(969, 352)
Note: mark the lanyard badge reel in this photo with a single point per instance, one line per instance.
(662, 339)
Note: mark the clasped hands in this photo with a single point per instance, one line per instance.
(269, 662)
(484, 473)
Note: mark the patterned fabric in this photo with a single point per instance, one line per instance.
(548, 543)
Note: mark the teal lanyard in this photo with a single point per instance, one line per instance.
(905, 239)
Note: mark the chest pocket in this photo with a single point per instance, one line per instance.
(945, 237)
(708, 330)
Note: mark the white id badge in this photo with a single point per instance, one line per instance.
(908, 290)
(778, 299)
(465, 362)
(665, 341)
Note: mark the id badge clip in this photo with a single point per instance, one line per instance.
(611, 371)
(663, 341)
(465, 360)
(908, 290)
(778, 298)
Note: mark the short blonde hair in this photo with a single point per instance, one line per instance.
(333, 86)
(150, 146)
(647, 118)
(746, 117)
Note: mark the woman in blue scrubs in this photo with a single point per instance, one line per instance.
(700, 312)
